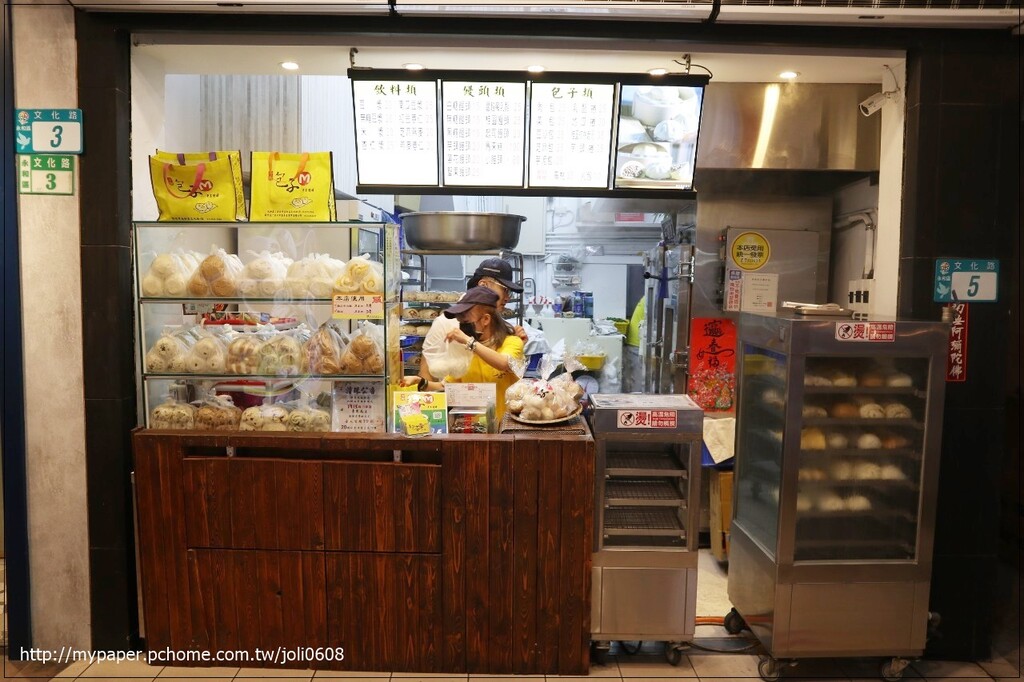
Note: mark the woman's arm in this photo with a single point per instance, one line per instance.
(498, 361)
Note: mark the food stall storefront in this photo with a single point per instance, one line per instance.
(200, 552)
(298, 486)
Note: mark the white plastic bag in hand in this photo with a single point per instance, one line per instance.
(444, 358)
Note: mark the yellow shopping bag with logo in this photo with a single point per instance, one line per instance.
(292, 187)
(195, 190)
(234, 157)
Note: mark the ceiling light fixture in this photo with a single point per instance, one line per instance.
(789, 75)
(413, 66)
(535, 68)
(657, 72)
(289, 66)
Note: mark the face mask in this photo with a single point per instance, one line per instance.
(469, 330)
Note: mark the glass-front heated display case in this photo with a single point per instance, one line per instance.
(297, 321)
(646, 503)
(838, 436)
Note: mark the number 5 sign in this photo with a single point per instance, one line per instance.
(967, 280)
(48, 131)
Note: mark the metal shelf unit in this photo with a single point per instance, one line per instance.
(647, 484)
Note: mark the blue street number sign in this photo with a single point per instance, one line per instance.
(48, 131)
(967, 280)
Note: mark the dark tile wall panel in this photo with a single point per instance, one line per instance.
(962, 199)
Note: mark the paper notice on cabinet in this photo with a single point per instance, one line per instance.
(359, 406)
(760, 293)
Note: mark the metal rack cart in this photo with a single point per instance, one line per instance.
(645, 546)
(838, 438)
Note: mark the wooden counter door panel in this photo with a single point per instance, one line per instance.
(382, 507)
(244, 600)
(385, 610)
(243, 503)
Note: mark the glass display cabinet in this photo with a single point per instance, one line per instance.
(838, 436)
(272, 289)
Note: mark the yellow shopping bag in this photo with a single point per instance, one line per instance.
(235, 157)
(292, 187)
(203, 190)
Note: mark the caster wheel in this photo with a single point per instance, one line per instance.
(769, 669)
(631, 648)
(673, 654)
(599, 653)
(892, 671)
(733, 622)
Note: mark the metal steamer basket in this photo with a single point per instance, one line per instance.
(646, 498)
(454, 230)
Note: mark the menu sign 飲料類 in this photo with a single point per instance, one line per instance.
(570, 134)
(396, 132)
(483, 133)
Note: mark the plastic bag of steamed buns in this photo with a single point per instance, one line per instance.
(169, 273)
(172, 414)
(539, 400)
(217, 275)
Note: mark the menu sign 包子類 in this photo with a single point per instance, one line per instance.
(570, 134)
(483, 133)
(396, 132)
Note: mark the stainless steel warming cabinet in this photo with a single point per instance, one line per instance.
(838, 436)
(647, 488)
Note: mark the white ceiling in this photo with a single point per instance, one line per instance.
(589, 55)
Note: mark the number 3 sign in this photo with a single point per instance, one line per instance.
(48, 131)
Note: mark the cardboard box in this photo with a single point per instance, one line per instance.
(721, 513)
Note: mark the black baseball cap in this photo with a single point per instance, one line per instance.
(498, 270)
(475, 296)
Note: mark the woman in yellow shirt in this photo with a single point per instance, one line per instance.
(497, 351)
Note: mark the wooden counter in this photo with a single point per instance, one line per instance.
(469, 555)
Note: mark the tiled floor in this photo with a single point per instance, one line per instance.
(715, 655)
(650, 667)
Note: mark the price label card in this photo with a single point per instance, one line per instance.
(396, 132)
(483, 133)
(570, 134)
(358, 307)
(46, 174)
(48, 131)
(470, 395)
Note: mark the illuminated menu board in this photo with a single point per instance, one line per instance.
(396, 132)
(657, 145)
(483, 133)
(570, 134)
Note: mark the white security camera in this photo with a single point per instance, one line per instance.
(873, 103)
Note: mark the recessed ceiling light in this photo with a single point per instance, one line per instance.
(290, 66)
(789, 75)
(657, 72)
(535, 68)
(413, 66)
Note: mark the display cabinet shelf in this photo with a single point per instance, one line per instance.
(293, 378)
(157, 315)
(643, 522)
(642, 464)
(643, 492)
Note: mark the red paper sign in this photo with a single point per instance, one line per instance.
(956, 356)
(712, 383)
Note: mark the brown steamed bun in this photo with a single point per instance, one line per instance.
(844, 410)
(872, 379)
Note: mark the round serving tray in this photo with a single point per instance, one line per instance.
(566, 418)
